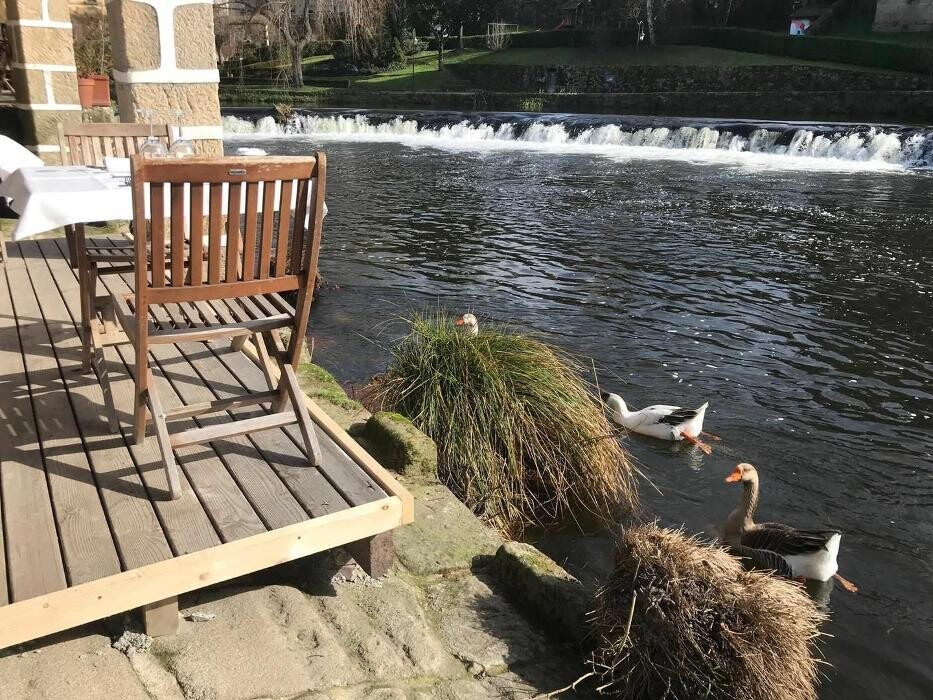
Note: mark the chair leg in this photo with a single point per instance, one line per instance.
(165, 444)
(308, 433)
(237, 343)
(102, 367)
(86, 292)
(140, 404)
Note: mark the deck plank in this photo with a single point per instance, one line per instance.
(305, 481)
(136, 528)
(305, 485)
(33, 555)
(186, 525)
(88, 548)
(225, 503)
(352, 483)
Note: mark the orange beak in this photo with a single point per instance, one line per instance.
(734, 476)
(459, 321)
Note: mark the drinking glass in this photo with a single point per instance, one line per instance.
(182, 147)
(152, 147)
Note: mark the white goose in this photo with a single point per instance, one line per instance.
(468, 324)
(660, 421)
(791, 551)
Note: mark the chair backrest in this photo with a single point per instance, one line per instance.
(88, 144)
(256, 222)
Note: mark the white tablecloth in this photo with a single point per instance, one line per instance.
(13, 156)
(50, 197)
(53, 196)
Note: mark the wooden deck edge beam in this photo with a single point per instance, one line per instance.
(367, 463)
(53, 612)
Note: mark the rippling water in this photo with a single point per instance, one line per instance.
(797, 303)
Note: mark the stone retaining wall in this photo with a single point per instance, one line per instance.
(901, 107)
(796, 78)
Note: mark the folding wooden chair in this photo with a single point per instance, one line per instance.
(263, 232)
(89, 144)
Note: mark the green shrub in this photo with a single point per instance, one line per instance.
(835, 49)
(520, 438)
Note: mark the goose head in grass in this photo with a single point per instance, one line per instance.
(468, 324)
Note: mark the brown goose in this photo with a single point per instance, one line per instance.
(792, 552)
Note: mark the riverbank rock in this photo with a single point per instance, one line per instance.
(446, 537)
(538, 584)
(400, 446)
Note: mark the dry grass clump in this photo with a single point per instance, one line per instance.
(682, 619)
(520, 438)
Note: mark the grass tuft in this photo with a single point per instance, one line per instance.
(520, 438)
(681, 619)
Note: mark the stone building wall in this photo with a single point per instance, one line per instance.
(904, 16)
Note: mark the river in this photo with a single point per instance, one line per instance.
(785, 278)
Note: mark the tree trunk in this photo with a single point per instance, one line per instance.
(649, 18)
(298, 78)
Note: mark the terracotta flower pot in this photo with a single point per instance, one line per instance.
(86, 92)
(101, 90)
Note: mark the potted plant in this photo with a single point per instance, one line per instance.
(93, 60)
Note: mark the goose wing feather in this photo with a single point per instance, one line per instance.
(786, 540)
(762, 559)
(653, 415)
(681, 415)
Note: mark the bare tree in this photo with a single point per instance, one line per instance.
(297, 23)
(651, 12)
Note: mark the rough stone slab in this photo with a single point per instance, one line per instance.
(266, 642)
(394, 611)
(488, 635)
(537, 584)
(400, 445)
(445, 536)
(70, 665)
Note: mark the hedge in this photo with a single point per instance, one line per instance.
(836, 49)
(545, 40)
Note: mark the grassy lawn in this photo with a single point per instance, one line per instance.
(425, 77)
(618, 55)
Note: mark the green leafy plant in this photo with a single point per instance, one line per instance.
(93, 54)
(520, 438)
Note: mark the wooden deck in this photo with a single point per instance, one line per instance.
(88, 529)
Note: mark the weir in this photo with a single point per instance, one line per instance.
(877, 146)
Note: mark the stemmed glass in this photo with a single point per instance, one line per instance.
(182, 147)
(152, 147)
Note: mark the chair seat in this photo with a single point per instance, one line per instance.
(202, 320)
(109, 250)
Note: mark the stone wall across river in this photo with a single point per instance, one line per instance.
(862, 106)
(779, 78)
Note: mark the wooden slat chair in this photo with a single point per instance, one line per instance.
(236, 293)
(89, 144)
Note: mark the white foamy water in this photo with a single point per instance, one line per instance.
(868, 149)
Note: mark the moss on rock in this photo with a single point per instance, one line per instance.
(400, 446)
(538, 583)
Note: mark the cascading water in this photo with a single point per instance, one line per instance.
(833, 145)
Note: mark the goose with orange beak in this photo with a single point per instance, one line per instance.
(468, 324)
(792, 552)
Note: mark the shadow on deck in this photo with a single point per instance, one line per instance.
(88, 529)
